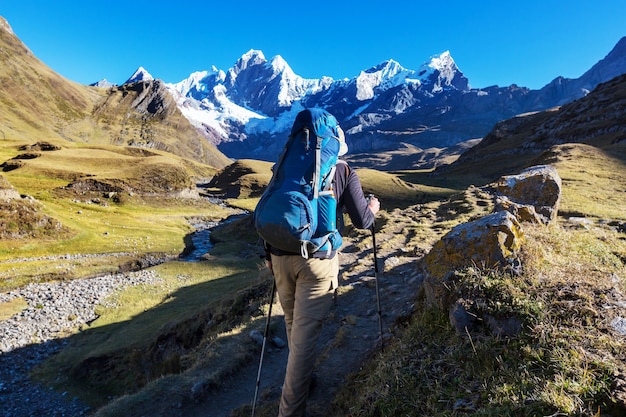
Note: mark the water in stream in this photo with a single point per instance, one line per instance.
(199, 242)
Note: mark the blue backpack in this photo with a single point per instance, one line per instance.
(297, 213)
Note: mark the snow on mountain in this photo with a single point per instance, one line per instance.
(384, 76)
(292, 87)
(249, 59)
(196, 84)
(218, 112)
(104, 83)
(247, 110)
(257, 97)
(203, 100)
(238, 96)
(140, 75)
(443, 72)
(269, 87)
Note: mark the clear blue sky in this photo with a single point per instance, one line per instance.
(528, 43)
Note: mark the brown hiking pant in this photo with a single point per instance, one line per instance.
(305, 290)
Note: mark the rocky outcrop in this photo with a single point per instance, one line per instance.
(7, 192)
(492, 242)
(21, 216)
(533, 195)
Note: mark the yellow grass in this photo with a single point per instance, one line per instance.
(9, 308)
(129, 223)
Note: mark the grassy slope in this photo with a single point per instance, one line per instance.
(38, 104)
(554, 366)
(567, 358)
(130, 221)
(426, 366)
(563, 363)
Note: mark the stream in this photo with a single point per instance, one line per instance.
(199, 243)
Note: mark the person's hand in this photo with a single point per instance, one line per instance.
(373, 204)
(268, 264)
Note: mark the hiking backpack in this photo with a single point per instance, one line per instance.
(297, 211)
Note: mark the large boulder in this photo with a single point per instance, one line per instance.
(533, 195)
(492, 241)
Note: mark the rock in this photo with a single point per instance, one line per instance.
(504, 327)
(200, 389)
(257, 336)
(619, 325)
(278, 342)
(7, 192)
(459, 317)
(36, 333)
(532, 195)
(491, 241)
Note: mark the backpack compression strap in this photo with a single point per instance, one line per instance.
(318, 163)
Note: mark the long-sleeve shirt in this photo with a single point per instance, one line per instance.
(350, 198)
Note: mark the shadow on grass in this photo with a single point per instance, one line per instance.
(194, 327)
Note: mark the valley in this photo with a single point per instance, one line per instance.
(107, 310)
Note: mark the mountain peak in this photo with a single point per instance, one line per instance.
(389, 67)
(383, 76)
(279, 64)
(140, 75)
(250, 58)
(442, 71)
(104, 83)
(443, 61)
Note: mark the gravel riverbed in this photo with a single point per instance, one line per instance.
(36, 333)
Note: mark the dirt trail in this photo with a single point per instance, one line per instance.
(349, 336)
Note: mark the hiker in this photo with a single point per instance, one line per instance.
(305, 283)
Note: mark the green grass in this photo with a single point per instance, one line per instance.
(163, 339)
(592, 181)
(248, 204)
(562, 363)
(132, 229)
(393, 191)
(132, 332)
(126, 222)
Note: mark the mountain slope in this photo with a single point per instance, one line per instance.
(596, 120)
(144, 114)
(249, 108)
(34, 100)
(38, 104)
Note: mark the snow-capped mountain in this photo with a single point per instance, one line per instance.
(253, 103)
(247, 110)
(104, 83)
(140, 75)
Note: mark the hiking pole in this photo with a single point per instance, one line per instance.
(267, 329)
(380, 315)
